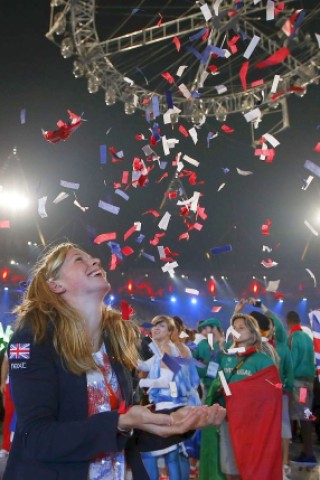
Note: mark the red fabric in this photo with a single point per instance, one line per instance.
(296, 328)
(8, 415)
(254, 414)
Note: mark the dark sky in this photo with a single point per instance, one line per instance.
(34, 76)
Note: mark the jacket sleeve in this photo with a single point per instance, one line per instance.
(288, 371)
(35, 388)
(280, 334)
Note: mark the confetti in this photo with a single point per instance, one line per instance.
(273, 286)
(177, 43)
(105, 237)
(163, 224)
(108, 207)
(103, 154)
(307, 182)
(312, 230)
(192, 291)
(221, 249)
(269, 263)
(252, 45)
(312, 167)
(244, 173)
(42, 207)
(224, 383)
(278, 57)
(312, 275)
(60, 197)
(73, 186)
(23, 115)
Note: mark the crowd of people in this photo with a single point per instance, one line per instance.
(98, 398)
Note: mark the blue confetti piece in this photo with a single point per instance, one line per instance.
(155, 132)
(149, 257)
(198, 35)
(163, 165)
(155, 106)
(194, 52)
(148, 115)
(140, 238)
(226, 170)
(103, 154)
(298, 23)
(222, 249)
(169, 99)
(171, 363)
(190, 361)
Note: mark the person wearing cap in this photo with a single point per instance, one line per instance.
(206, 353)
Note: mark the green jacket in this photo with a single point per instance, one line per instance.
(204, 354)
(302, 354)
(253, 364)
(281, 344)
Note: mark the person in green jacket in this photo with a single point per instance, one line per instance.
(207, 353)
(302, 354)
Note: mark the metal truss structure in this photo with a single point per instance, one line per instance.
(73, 29)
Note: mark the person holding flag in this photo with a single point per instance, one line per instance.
(250, 437)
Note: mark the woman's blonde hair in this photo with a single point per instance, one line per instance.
(164, 318)
(42, 307)
(252, 325)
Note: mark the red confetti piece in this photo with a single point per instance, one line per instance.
(216, 309)
(105, 237)
(213, 68)
(160, 20)
(114, 262)
(168, 77)
(227, 129)
(129, 232)
(243, 74)
(156, 239)
(257, 83)
(201, 212)
(153, 212)
(317, 147)
(127, 251)
(125, 177)
(177, 43)
(278, 57)
(140, 136)
(126, 310)
(294, 88)
(265, 228)
(206, 35)
(184, 131)
(5, 224)
(163, 177)
(184, 236)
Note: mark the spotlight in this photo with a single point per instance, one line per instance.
(194, 300)
(78, 69)
(173, 299)
(67, 47)
(111, 298)
(281, 300)
(6, 288)
(12, 262)
(304, 299)
(110, 96)
(60, 22)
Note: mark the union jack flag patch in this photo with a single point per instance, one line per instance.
(19, 350)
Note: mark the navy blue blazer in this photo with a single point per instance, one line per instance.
(55, 438)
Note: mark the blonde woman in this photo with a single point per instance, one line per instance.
(70, 361)
(250, 440)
